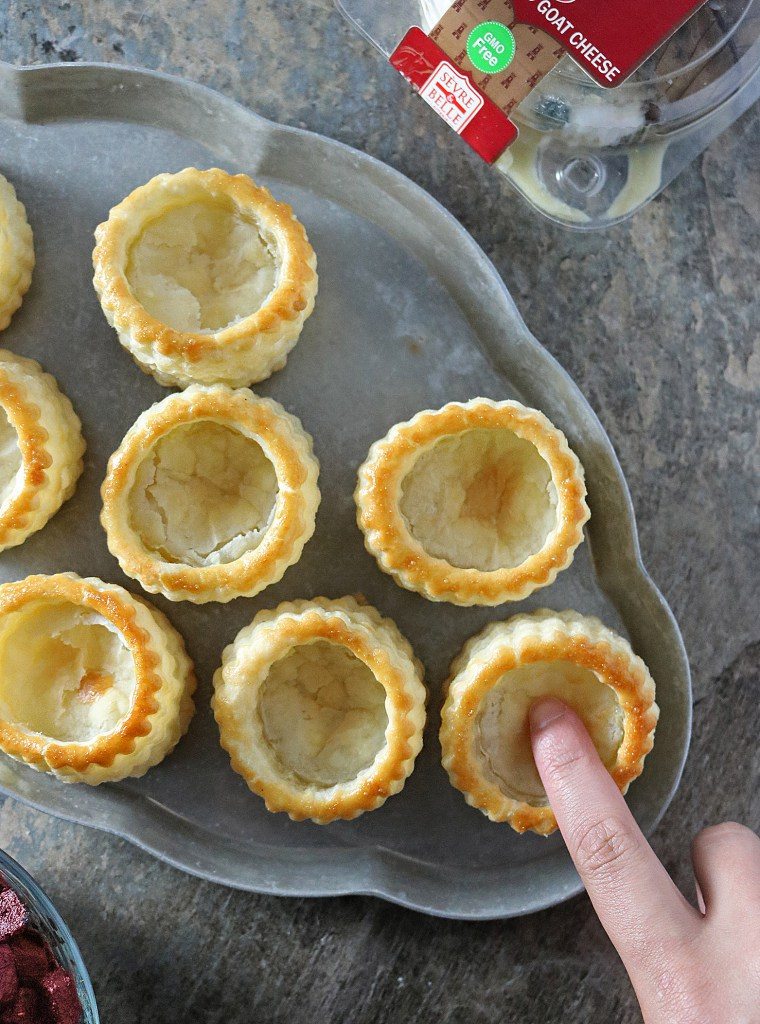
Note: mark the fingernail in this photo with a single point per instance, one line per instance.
(545, 711)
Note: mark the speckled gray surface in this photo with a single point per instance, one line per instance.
(658, 322)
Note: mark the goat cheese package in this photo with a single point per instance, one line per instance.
(474, 61)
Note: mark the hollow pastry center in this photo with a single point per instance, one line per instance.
(200, 267)
(483, 499)
(323, 714)
(10, 459)
(64, 672)
(204, 495)
(503, 733)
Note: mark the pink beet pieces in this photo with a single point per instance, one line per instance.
(32, 956)
(13, 914)
(34, 987)
(8, 975)
(26, 1008)
(62, 997)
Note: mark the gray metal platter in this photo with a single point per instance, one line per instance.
(410, 315)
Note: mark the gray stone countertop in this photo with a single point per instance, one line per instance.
(658, 322)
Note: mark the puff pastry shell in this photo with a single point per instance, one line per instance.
(16, 252)
(498, 675)
(41, 448)
(211, 495)
(95, 684)
(321, 706)
(206, 278)
(474, 504)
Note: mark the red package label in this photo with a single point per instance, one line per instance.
(454, 95)
(609, 39)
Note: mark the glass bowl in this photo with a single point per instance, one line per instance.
(46, 919)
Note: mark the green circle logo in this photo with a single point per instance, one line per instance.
(491, 47)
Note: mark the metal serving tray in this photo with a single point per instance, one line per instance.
(410, 314)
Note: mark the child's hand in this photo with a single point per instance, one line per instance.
(686, 965)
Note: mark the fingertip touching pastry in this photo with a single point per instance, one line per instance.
(95, 684)
(211, 495)
(41, 448)
(206, 278)
(485, 733)
(16, 252)
(475, 504)
(321, 706)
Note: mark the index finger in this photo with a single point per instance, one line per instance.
(632, 893)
